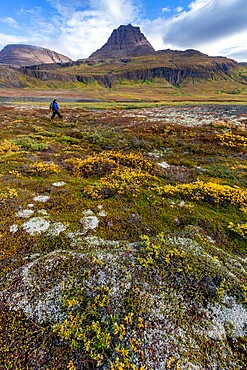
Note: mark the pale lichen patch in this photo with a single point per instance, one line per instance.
(25, 213)
(229, 318)
(59, 183)
(102, 214)
(88, 212)
(164, 165)
(41, 198)
(89, 223)
(57, 228)
(36, 225)
(13, 228)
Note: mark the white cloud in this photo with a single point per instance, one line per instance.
(166, 10)
(179, 9)
(211, 26)
(237, 53)
(198, 4)
(208, 20)
(9, 39)
(10, 21)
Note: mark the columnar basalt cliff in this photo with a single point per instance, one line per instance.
(173, 66)
(124, 41)
(26, 55)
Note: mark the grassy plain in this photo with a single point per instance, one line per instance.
(123, 231)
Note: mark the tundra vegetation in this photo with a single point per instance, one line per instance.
(123, 238)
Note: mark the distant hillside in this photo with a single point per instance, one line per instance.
(27, 55)
(173, 66)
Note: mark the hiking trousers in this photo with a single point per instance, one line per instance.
(56, 112)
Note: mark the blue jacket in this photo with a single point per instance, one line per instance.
(55, 106)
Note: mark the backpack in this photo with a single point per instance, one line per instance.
(51, 105)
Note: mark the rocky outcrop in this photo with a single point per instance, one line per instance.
(124, 41)
(174, 76)
(11, 77)
(27, 55)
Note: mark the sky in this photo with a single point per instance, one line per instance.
(77, 28)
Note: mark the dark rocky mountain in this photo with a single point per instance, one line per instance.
(27, 55)
(124, 41)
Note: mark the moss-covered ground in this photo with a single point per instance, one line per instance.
(123, 238)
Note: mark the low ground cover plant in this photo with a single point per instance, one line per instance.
(122, 240)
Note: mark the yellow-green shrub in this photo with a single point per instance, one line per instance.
(44, 168)
(8, 193)
(106, 162)
(132, 160)
(232, 140)
(240, 229)
(207, 191)
(121, 181)
(91, 166)
(7, 147)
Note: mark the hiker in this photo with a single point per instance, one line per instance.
(55, 109)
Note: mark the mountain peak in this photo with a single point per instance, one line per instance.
(124, 41)
(27, 55)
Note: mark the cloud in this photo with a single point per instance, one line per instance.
(239, 54)
(208, 26)
(206, 21)
(235, 47)
(10, 22)
(166, 10)
(82, 27)
(9, 39)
